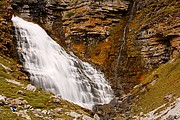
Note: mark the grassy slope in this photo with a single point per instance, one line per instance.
(148, 96)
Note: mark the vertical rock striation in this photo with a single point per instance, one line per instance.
(7, 46)
(48, 14)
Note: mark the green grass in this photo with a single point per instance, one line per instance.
(6, 113)
(168, 82)
(3, 2)
(69, 14)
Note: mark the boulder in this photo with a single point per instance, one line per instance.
(58, 110)
(2, 100)
(23, 114)
(21, 92)
(30, 88)
(85, 117)
(96, 117)
(73, 114)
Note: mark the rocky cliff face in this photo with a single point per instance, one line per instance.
(88, 23)
(7, 46)
(152, 41)
(80, 25)
(152, 38)
(156, 32)
(48, 14)
(93, 31)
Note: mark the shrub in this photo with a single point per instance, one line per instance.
(69, 14)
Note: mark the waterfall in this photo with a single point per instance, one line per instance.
(56, 71)
(124, 39)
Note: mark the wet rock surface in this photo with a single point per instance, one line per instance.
(118, 107)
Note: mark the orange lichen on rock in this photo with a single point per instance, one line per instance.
(103, 49)
(79, 47)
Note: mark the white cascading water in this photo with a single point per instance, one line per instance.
(52, 69)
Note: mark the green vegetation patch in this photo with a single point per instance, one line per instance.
(69, 14)
(156, 85)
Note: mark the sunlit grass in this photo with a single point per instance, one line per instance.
(168, 82)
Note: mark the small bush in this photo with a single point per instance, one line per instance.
(70, 14)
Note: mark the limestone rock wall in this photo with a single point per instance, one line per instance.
(92, 29)
(88, 19)
(152, 39)
(156, 31)
(7, 46)
(43, 12)
(88, 24)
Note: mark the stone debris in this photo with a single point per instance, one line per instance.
(74, 114)
(56, 98)
(58, 110)
(169, 97)
(172, 112)
(18, 101)
(85, 117)
(5, 67)
(2, 100)
(37, 113)
(19, 66)
(43, 113)
(21, 108)
(23, 113)
(21, 92)
(28, 107)
(30, 88)
(14, 104)
(96, 117)
(14, 82)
